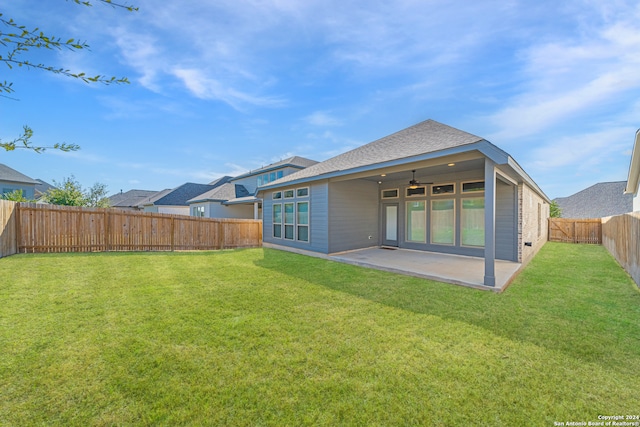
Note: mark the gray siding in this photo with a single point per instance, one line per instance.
(506, 226)
(218, 210)
(354, 215)
(27, 189)
(318, 222)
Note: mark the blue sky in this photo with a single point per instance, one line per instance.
(221, 87)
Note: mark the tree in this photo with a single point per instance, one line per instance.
(19, 41)
(70, 193)
(554, 210)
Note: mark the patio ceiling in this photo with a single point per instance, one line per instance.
(424, 173)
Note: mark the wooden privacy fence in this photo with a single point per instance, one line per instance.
(8, 240)
(621, 237)
(575, 230)
(48, 228)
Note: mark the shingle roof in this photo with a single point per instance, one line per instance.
(130, 198)
(425, 137)
(9, 174)
(599, 200)
(225, 192)
(180, 196)
(295, 161)
(42, 187)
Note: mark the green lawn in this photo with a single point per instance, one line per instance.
(263, 337)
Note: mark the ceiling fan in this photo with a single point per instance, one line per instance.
(413, 184)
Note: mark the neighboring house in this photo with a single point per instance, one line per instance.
(130, 200)
(599, 200)
(429, 187)
(41, 188)
(12, 180)
(175, 201)
(633, 180)
(237, 198)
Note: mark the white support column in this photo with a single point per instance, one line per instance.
(489, 222)
(255, 210)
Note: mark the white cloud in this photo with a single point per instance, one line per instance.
(322, 118)
(566, 78)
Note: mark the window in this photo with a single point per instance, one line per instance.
(414, 192)
(302, 192)
(288, 221)
(272, 176)
(288, 194)
(279, 174)
(443, 222)
(443, 189)
(471, 187)
(277, 220)
(277, 195)
(472, 226)
(390, 194)
(302, 219)
(416, 221)
(198, 211)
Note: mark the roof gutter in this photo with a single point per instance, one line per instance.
(634, 167)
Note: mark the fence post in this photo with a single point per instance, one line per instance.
(18, 226)
(173, 233)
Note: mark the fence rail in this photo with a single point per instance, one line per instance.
(621, 237)
(48, 228)
(575, 230)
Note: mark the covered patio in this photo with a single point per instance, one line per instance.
(456, 269)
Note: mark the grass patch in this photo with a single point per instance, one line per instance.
(263, 337)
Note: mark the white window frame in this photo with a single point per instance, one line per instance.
(441, 185)
(462, 211)
(273, 223)
(471, 182)
(293, 193)
(273, 196)
(397, 190)
(302, 188)
(285, 223)
(297, 235)
(426, 230)
(431, 221)
(406, 193)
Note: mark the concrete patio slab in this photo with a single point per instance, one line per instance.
(455, 269)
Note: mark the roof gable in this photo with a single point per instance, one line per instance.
(598, 201)
(295, 162)
(12, 175)
(425, 137)
(225, 192)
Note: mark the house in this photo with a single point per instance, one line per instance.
(12, 180)
(175, 201)
(41, 188)
(599, 200)
(237, 198)
(633, 180)
(131, 200)
(429, 187)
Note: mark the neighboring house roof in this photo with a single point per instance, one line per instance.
(295, 162)
(221, 180)
(150, 200)
(181, 195)
(599, 200)
(12, 175)
(221, 194)
(42, 187)
(633, 180)
(131, 198)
